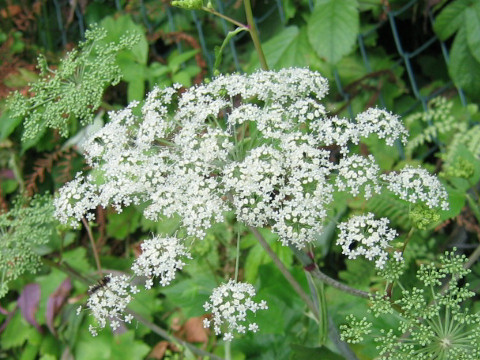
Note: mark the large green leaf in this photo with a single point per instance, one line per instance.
(472, 26)
(277, 47)
(464, 68)
(301, 352)
(451, 18)
(333, 28)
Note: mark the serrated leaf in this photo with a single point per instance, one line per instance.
(472, 26)
(464, 68)
(15, 333)
(451, 18)
(333, 28)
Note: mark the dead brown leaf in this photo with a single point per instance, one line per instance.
(158, 350)
(194, 330)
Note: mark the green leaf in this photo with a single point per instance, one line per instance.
(333, 28)
(472, 26)
(126, 347)
(256, 257)
(116, 28)
(176, 59)
(464, 68)
(451, 18)
(119, 226)
(16, 332)
(278, 46)
(301, 352)
(456, 201)
(8, 124)
(182, 78)
(136, 89)
(190, 294)
(88, 347)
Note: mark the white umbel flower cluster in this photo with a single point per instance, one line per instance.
(417, 185)
(358, 173)
(109, 301)
(252, 142)
(362, 235)
(229, 304)
(260, 145)
(160, 258)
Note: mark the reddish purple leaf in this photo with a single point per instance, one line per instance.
(3, 311)
(7, 174)
(28, 303)
(56, 302)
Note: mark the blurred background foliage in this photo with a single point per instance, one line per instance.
(420, 59)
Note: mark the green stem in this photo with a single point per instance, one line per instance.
(296, 286)
(229, 19)
(473, 206)
(409, 236)
(17, 171)
(237, 259)
(312, 267)
(228, 351)
(254, 34)
(94, 246)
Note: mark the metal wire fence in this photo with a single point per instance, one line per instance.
(404, 56)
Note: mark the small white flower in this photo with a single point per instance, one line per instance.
(161, 258)
(109, 301)
(358, 173)
(417, 185)
(229, 304)
(382, 123)
(397, 255)
(362, 235)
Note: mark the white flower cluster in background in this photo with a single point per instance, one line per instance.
(229, 304)
(108, 302)
(160, 258)
(362, 235)
(417, 185)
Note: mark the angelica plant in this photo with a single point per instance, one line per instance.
(27, 226)
(254, 144)
(74, 90)
(432, 319)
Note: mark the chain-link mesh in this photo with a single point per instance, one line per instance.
(404, 58)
